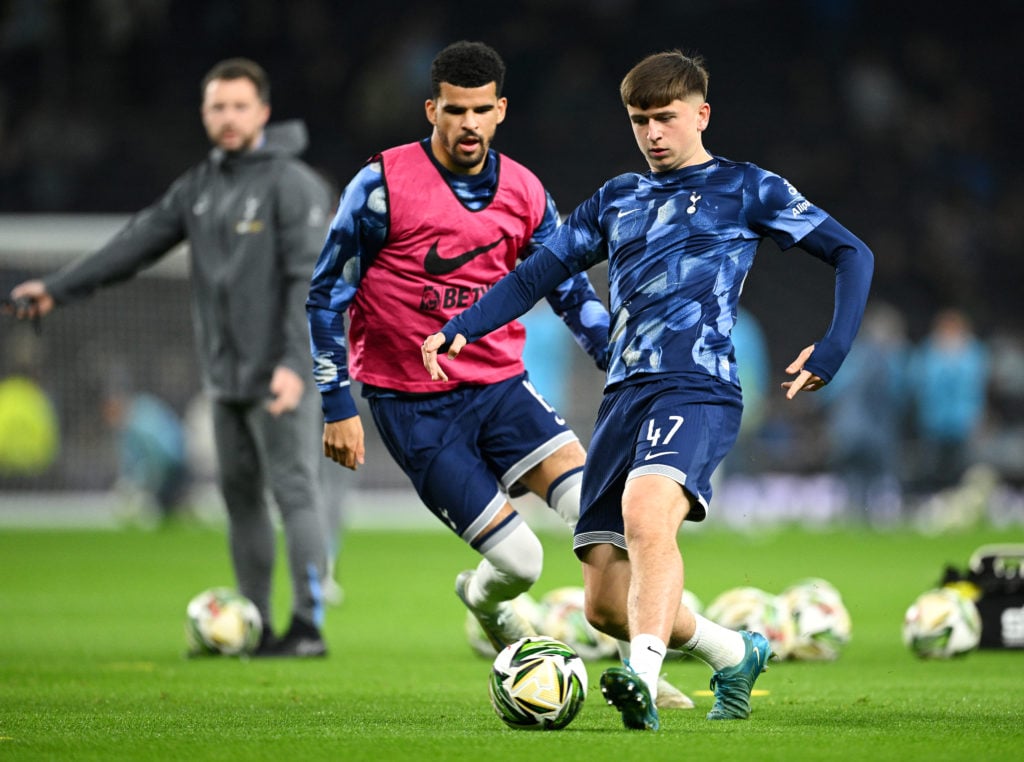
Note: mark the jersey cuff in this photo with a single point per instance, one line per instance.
(825, 360)
(338, 404)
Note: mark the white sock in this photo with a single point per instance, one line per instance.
(564, 496)
(646, 655)
(717, 646)
(508, 568)
(624, 656)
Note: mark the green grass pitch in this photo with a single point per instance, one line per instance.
(91, 664)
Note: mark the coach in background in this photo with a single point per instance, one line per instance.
(255, 217)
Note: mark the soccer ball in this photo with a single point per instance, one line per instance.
(565, 620)
(524, 604)
(941, 624)
(221, 621)
(753, 609)
(537, 683)
(821, 621)
(816, 586)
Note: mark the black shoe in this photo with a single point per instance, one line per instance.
(268, 643)
(303, 640)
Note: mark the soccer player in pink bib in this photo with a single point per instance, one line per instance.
(423, 231)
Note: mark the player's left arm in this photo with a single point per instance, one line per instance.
(854, 264)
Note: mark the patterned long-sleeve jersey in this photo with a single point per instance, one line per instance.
(679, 246)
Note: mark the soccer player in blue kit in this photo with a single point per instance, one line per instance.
(679, 241)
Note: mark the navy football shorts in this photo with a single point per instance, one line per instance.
(463, 449)
(657, 427)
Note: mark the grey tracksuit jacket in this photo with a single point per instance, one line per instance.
(255, 224)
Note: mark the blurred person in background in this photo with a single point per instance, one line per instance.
(1002, 441)
(950, 371)
(424, 229)
(153, 476)
(865, 408)
(254, 216)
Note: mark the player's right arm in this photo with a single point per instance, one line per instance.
(355, 237)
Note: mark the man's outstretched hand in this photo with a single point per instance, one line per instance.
(29, 301)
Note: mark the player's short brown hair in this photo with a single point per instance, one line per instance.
(662, 78)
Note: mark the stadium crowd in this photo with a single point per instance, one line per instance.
(906, 121)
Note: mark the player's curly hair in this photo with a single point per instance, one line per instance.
(467, 64)
(239, 68)
(662, 78)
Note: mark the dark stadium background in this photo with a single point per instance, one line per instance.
(901, 119)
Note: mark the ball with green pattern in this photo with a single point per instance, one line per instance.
(537, 683)
(222, 621)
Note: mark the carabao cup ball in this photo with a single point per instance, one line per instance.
(821, 621)
(941, 623)
(565, 620)
(221, 621)
(753, 609)
(537, 683)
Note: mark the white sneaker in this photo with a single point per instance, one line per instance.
(670, 697)
(331, 590)
(333, 593)
(502, 626)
